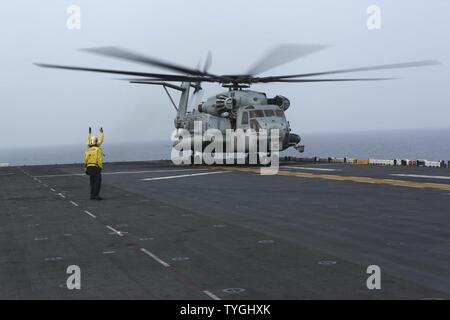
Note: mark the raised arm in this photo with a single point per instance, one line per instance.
(88, 142)
(100, 141)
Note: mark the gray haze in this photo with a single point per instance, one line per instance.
(53, 107)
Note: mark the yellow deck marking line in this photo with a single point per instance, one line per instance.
(392, 182)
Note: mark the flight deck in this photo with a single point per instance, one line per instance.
(202, 232)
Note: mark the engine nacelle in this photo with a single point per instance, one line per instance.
(280, 101)
(222, 104)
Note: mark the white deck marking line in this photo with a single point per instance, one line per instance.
(211, 295)
(184, 175)
(115, 231)
(87, 212)
(108, 252)
(310, 168)
(118, 172)
(61, 195)
(165, 264)
(74, 203)
(420, 176)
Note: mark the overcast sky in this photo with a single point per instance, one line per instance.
(50, 107)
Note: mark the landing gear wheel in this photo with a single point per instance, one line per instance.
(265, 161)
(251, 159)
(247, 159)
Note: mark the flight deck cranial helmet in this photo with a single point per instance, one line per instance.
(94, 141)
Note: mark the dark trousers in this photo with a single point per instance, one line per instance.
(95, 174)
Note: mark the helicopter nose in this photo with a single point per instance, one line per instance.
(283, 135)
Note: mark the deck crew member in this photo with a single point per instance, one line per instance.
(93, 163)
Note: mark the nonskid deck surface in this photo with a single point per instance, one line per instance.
(171, 232)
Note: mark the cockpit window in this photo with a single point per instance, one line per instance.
(244, 119)
(256, 114)
(269, 113)
(279, 113)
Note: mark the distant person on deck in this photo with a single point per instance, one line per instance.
(93, 163)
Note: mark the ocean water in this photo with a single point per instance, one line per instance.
(430, 144)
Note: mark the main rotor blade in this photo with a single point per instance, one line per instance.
(283, 54)
(166, 77)
(412, 64)
(208, 62)
(152, 81)
(331, 80)
(127, 55)
(164, 84)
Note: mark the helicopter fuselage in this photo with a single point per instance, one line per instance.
(241, 109)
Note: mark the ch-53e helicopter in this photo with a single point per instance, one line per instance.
(239, 107)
